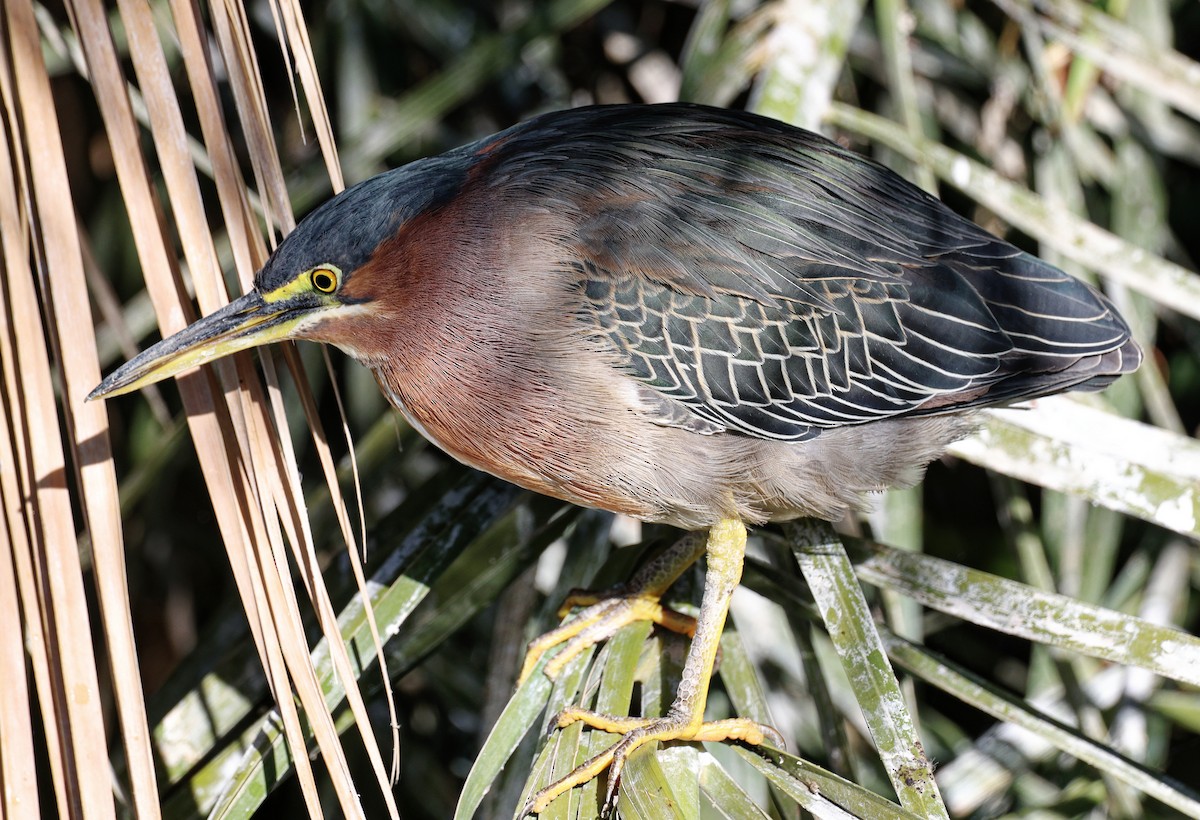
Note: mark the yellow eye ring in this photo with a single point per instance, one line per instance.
(324, 280)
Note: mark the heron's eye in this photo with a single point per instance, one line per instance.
(324, 280)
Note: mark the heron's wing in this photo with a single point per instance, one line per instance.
(855, 351)
(775, 284)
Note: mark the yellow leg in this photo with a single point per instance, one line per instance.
(607, 612)
(685, 719)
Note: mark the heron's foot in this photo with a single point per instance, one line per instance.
(637, 732)
(606, 612)
(603, 615)
(725, 548)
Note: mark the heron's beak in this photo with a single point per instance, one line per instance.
(246, 322)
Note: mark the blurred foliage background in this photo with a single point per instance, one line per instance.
(1068, 127)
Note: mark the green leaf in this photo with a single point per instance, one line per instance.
(847, 616)
(1017, 609)
(989, 698)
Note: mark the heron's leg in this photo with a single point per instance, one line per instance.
(606, 612)
(685, 719)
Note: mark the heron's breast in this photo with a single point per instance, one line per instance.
(517, 423)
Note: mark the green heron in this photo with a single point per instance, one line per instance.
(684, 314)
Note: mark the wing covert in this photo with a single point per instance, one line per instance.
(775, 285)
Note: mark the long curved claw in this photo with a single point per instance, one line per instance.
(597, 623)
(606, 612)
